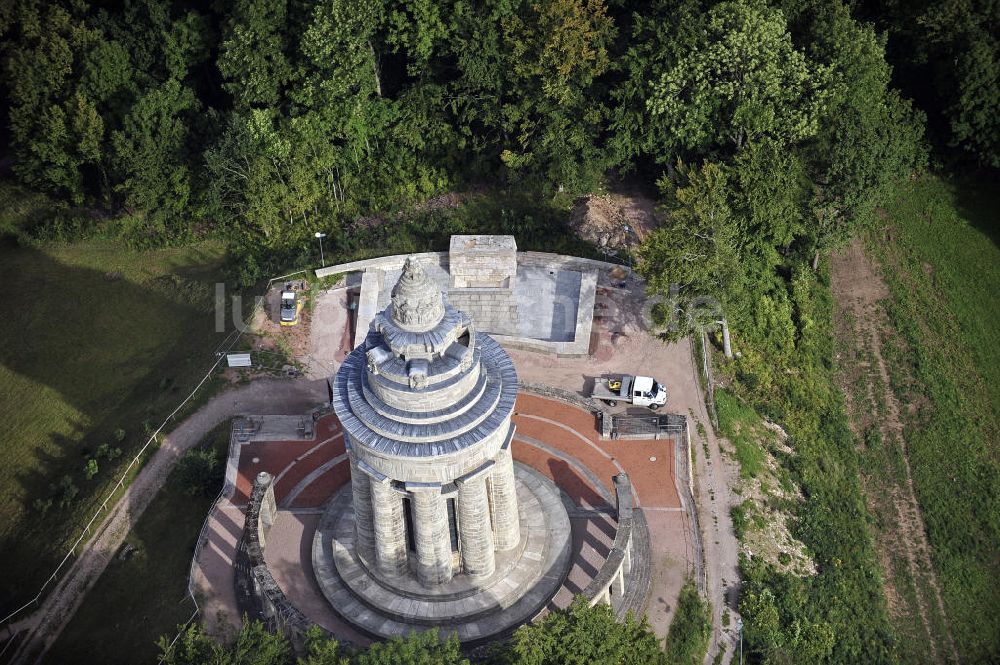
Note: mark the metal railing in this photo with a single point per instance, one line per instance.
(623, 426)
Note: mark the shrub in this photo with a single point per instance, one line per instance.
(200, 472)
(690, 629)
(69, 491)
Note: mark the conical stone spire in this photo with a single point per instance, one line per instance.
(417, 304)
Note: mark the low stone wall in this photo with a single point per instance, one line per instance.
(623, 580)
(393, 262)
(258, 594)
(542, 390)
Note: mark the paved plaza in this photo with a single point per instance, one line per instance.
(556, 438)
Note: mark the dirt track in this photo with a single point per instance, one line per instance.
(262, 396)
(863, 328)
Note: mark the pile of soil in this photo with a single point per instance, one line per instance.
(614, 221)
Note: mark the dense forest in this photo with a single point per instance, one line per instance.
(267, 120)
(773, 132)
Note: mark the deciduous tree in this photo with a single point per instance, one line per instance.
(742, 80)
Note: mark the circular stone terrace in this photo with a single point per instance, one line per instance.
(553, 439)
(556, 437)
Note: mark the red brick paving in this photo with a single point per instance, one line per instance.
(578, 488)
(277, 456)
(273, 457)
(299, 469)
(326, 427)
(320, 490)
(653, 481)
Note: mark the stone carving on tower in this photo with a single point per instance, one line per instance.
(417, 304)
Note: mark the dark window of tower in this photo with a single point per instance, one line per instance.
(411, 542)
(489, 499)
(453, 524)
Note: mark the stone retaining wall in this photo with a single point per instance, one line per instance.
(258, 594)
(623, 580)
(571, 398)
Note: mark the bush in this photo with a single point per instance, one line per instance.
(690, 629)
(741, 517)
(200, 471)
(69, 491)
(584, 634)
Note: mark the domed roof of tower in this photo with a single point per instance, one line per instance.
(417, 304)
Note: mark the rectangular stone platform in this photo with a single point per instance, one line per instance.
(547, 307)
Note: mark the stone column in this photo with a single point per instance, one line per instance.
(430, 531)
(474, 529)
(364, 529)
(389, 527)
(506, 521)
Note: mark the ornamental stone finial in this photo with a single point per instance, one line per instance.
(417, 304)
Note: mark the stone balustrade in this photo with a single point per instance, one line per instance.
(613, 582)
(258, 594)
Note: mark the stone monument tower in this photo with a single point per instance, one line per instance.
(426, 407)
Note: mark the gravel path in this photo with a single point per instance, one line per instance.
(329, 334)
(259, 397)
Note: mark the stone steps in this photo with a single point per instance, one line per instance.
(508, 598)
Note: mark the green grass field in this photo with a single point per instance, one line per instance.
(95, 338)
(138, 599)
(943, 268)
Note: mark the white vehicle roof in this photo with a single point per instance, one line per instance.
(643, 383)
(288, 295)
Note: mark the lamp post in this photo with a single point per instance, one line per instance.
(320, 236)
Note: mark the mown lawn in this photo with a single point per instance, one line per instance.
(143, 596)
(943, 268)
(95, 339)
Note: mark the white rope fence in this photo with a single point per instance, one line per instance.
(228, 343)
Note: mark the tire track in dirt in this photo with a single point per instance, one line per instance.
(859, 292)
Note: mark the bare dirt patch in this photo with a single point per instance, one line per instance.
(292, 340)
(615, 220)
